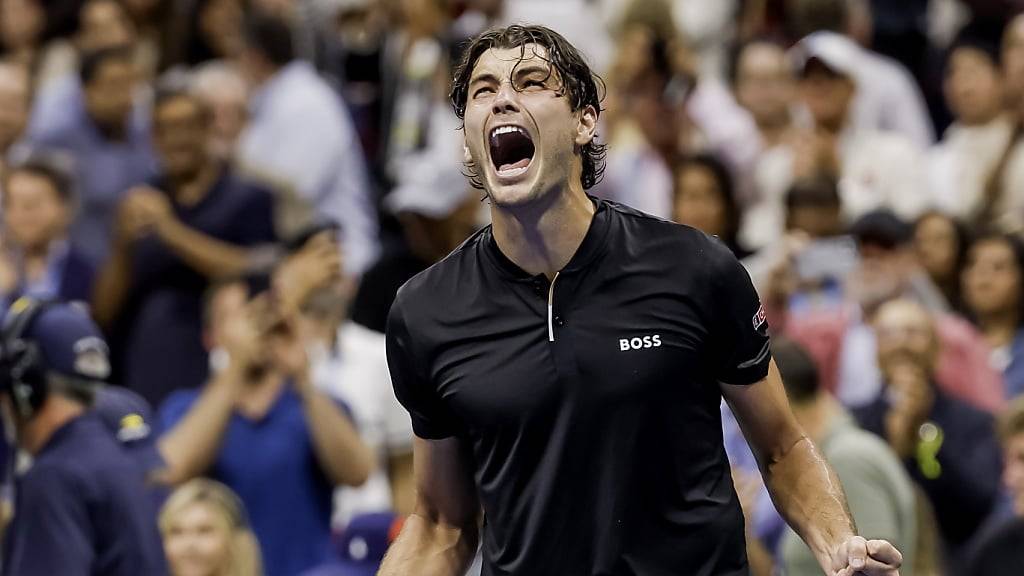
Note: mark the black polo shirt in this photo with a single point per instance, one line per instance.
(83, 510)
(595, 427)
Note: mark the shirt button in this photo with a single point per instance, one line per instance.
(559, 321)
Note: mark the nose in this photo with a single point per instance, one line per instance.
(506, 100)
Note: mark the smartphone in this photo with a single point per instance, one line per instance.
(827, 259)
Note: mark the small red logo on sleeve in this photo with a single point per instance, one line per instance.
(760, 318)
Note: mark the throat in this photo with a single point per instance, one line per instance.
(543, 239)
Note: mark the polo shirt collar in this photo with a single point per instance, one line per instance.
(593, 246)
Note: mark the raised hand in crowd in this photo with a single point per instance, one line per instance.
(316, 265)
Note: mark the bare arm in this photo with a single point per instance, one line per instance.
(112, 286)
(204, 254)
(803, 486)
(440, 537)
(190, 448)
(403, 483)
(341, 453)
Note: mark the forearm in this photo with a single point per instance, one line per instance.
(111, 288)
(190, 448)
(336, 443)
(807, 493)
(207, 255)
(430, 548)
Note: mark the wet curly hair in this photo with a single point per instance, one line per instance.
(578, 83)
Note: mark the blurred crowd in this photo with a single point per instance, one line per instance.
(237, 188)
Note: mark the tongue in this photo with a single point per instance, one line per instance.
(521, 164)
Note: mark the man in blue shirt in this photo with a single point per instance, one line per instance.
(82, 508)
(94, 119)
(262, 428)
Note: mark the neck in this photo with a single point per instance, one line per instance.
(772, 130)
(999, 328)
(55, 412)
(542, 237)
(188, 190)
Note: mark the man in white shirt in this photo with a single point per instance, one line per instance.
(300, 136)
(888, 98)
(874, 168)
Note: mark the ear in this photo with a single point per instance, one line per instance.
(586, 130)
(467, 158)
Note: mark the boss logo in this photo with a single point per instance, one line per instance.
(653, 341)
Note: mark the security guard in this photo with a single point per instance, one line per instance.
(81, 507)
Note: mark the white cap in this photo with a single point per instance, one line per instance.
(837, 52)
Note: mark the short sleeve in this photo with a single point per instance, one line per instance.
(52, 532)
(431, 419)
(740, 322)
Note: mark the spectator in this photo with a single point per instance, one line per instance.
(222, 90)
(1001, 552)
(195, 225)
(813, 208)
(878, 490)
(22, 24)
(300, 135)
(993, 286)
(206, 532)
(99, 126)
(875, 169)
(261, 427)
(888, 99)
(348, 361)
(940, 244)
(433, 225)
(36, 259)
(948, 447)
(843, 342)
(975, 171)
(765, 87)
(705, 199)
(15, 99)
(82, 507)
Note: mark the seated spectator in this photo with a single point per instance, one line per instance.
(195, 225)
(948, 447)
(977, 169)
(705, 199)
(15, 99)
(82, 506)
(1001, 552)
(842, 340)
(349, 363)
(206, 532)
(36, 258)
(100, 128)
(262, 428)
(300, 135)
(878, 490)
(993, 287)
(940, 243)
(874, 169)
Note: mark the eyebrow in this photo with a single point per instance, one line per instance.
(485, 77)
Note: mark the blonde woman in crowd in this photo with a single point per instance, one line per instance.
(206, 532)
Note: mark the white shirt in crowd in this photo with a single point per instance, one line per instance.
(960, 166)
(879, 170)
(357, 374)
(301, 136)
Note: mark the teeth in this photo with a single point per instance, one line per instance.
(507, 130)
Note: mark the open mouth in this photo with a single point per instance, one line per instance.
(511, 150)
